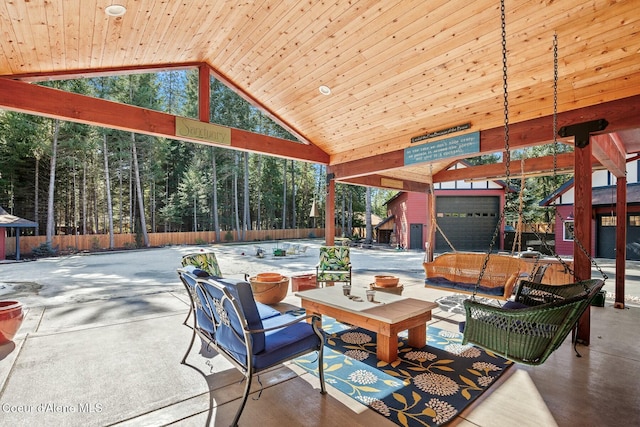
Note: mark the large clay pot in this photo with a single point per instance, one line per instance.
(11, 316)
(269, 292)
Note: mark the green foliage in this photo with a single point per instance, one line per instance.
(44, 250)
(178, 179)
(228, 237)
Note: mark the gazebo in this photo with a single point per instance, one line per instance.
(11, 221)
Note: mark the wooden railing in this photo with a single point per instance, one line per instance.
(96, 242)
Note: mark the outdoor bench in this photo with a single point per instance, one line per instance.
(459, 272)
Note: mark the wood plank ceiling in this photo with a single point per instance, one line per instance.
(396, 69)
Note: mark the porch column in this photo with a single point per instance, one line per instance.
(582, 229)
(204, 93)
(330, 211)
(621, 239)
(431, 229)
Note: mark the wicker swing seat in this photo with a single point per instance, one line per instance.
(528, 329)
(459, 272)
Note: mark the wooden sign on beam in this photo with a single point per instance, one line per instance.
(456, 146)
(207, 132)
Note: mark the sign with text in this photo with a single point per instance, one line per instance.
(455, 146)
(202, 131)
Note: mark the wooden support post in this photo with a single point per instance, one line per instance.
(582, 229)
(621, 239)
(431, 229)
(204, 93)
(330, 211)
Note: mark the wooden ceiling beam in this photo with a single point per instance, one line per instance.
(537, 165)
(380, 181)
(117, 71)
(621, 114)
(609, 152)
(44, 101)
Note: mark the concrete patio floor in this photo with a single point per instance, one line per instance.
(103, 338)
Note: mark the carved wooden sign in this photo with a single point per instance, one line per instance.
(194, 129)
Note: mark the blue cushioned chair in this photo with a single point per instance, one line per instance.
(252, 336)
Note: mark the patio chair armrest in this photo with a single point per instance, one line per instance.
(315, 317)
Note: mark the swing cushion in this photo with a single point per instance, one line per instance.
(459, 272)
(468, 287)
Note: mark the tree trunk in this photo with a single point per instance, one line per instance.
(143, 221)
(284, 195)
(246, 216)
(52, 183)
(369, 227)
(195, 210)
(121, 191)
(84, 199)
(107, 183)
(214, 191)
(235, 190)
(350, 215)
(293, 195)
(259, 194)
(36, 200)
(344, 213)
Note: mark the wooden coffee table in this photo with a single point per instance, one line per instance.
(388, 316)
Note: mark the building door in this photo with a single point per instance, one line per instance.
(606, 236)
(467, 221)
(415, 237)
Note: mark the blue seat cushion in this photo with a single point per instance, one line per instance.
(443, 282)
(514, 305)
(265, 312)
(283, 343)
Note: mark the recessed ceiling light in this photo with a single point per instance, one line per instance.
(325, 90)
(115, 10)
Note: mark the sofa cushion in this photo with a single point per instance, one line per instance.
(443, 282)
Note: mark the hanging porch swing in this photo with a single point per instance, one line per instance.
(529, 328)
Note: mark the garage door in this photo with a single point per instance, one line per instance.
(606, 236)
(468, 222)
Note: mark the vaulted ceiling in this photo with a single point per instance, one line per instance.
(396, 69)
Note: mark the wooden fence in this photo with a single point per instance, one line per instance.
(96, 242)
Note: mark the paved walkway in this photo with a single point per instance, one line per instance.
(103, 332)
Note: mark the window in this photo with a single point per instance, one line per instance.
(568, 230)
(634, 220)
(608, 221)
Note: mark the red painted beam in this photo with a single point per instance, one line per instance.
(48, 102)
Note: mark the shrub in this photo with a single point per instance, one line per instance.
(228, 236)
(44, 250)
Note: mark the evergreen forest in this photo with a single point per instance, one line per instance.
(78, 179)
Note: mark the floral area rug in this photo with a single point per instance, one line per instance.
(429, 386)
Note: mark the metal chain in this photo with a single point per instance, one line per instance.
(566, 267)
(507, 152)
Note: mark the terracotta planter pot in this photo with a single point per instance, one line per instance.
(269, 292)
(11, 316)
(386, 281)
(303, 282)
(268, 277)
